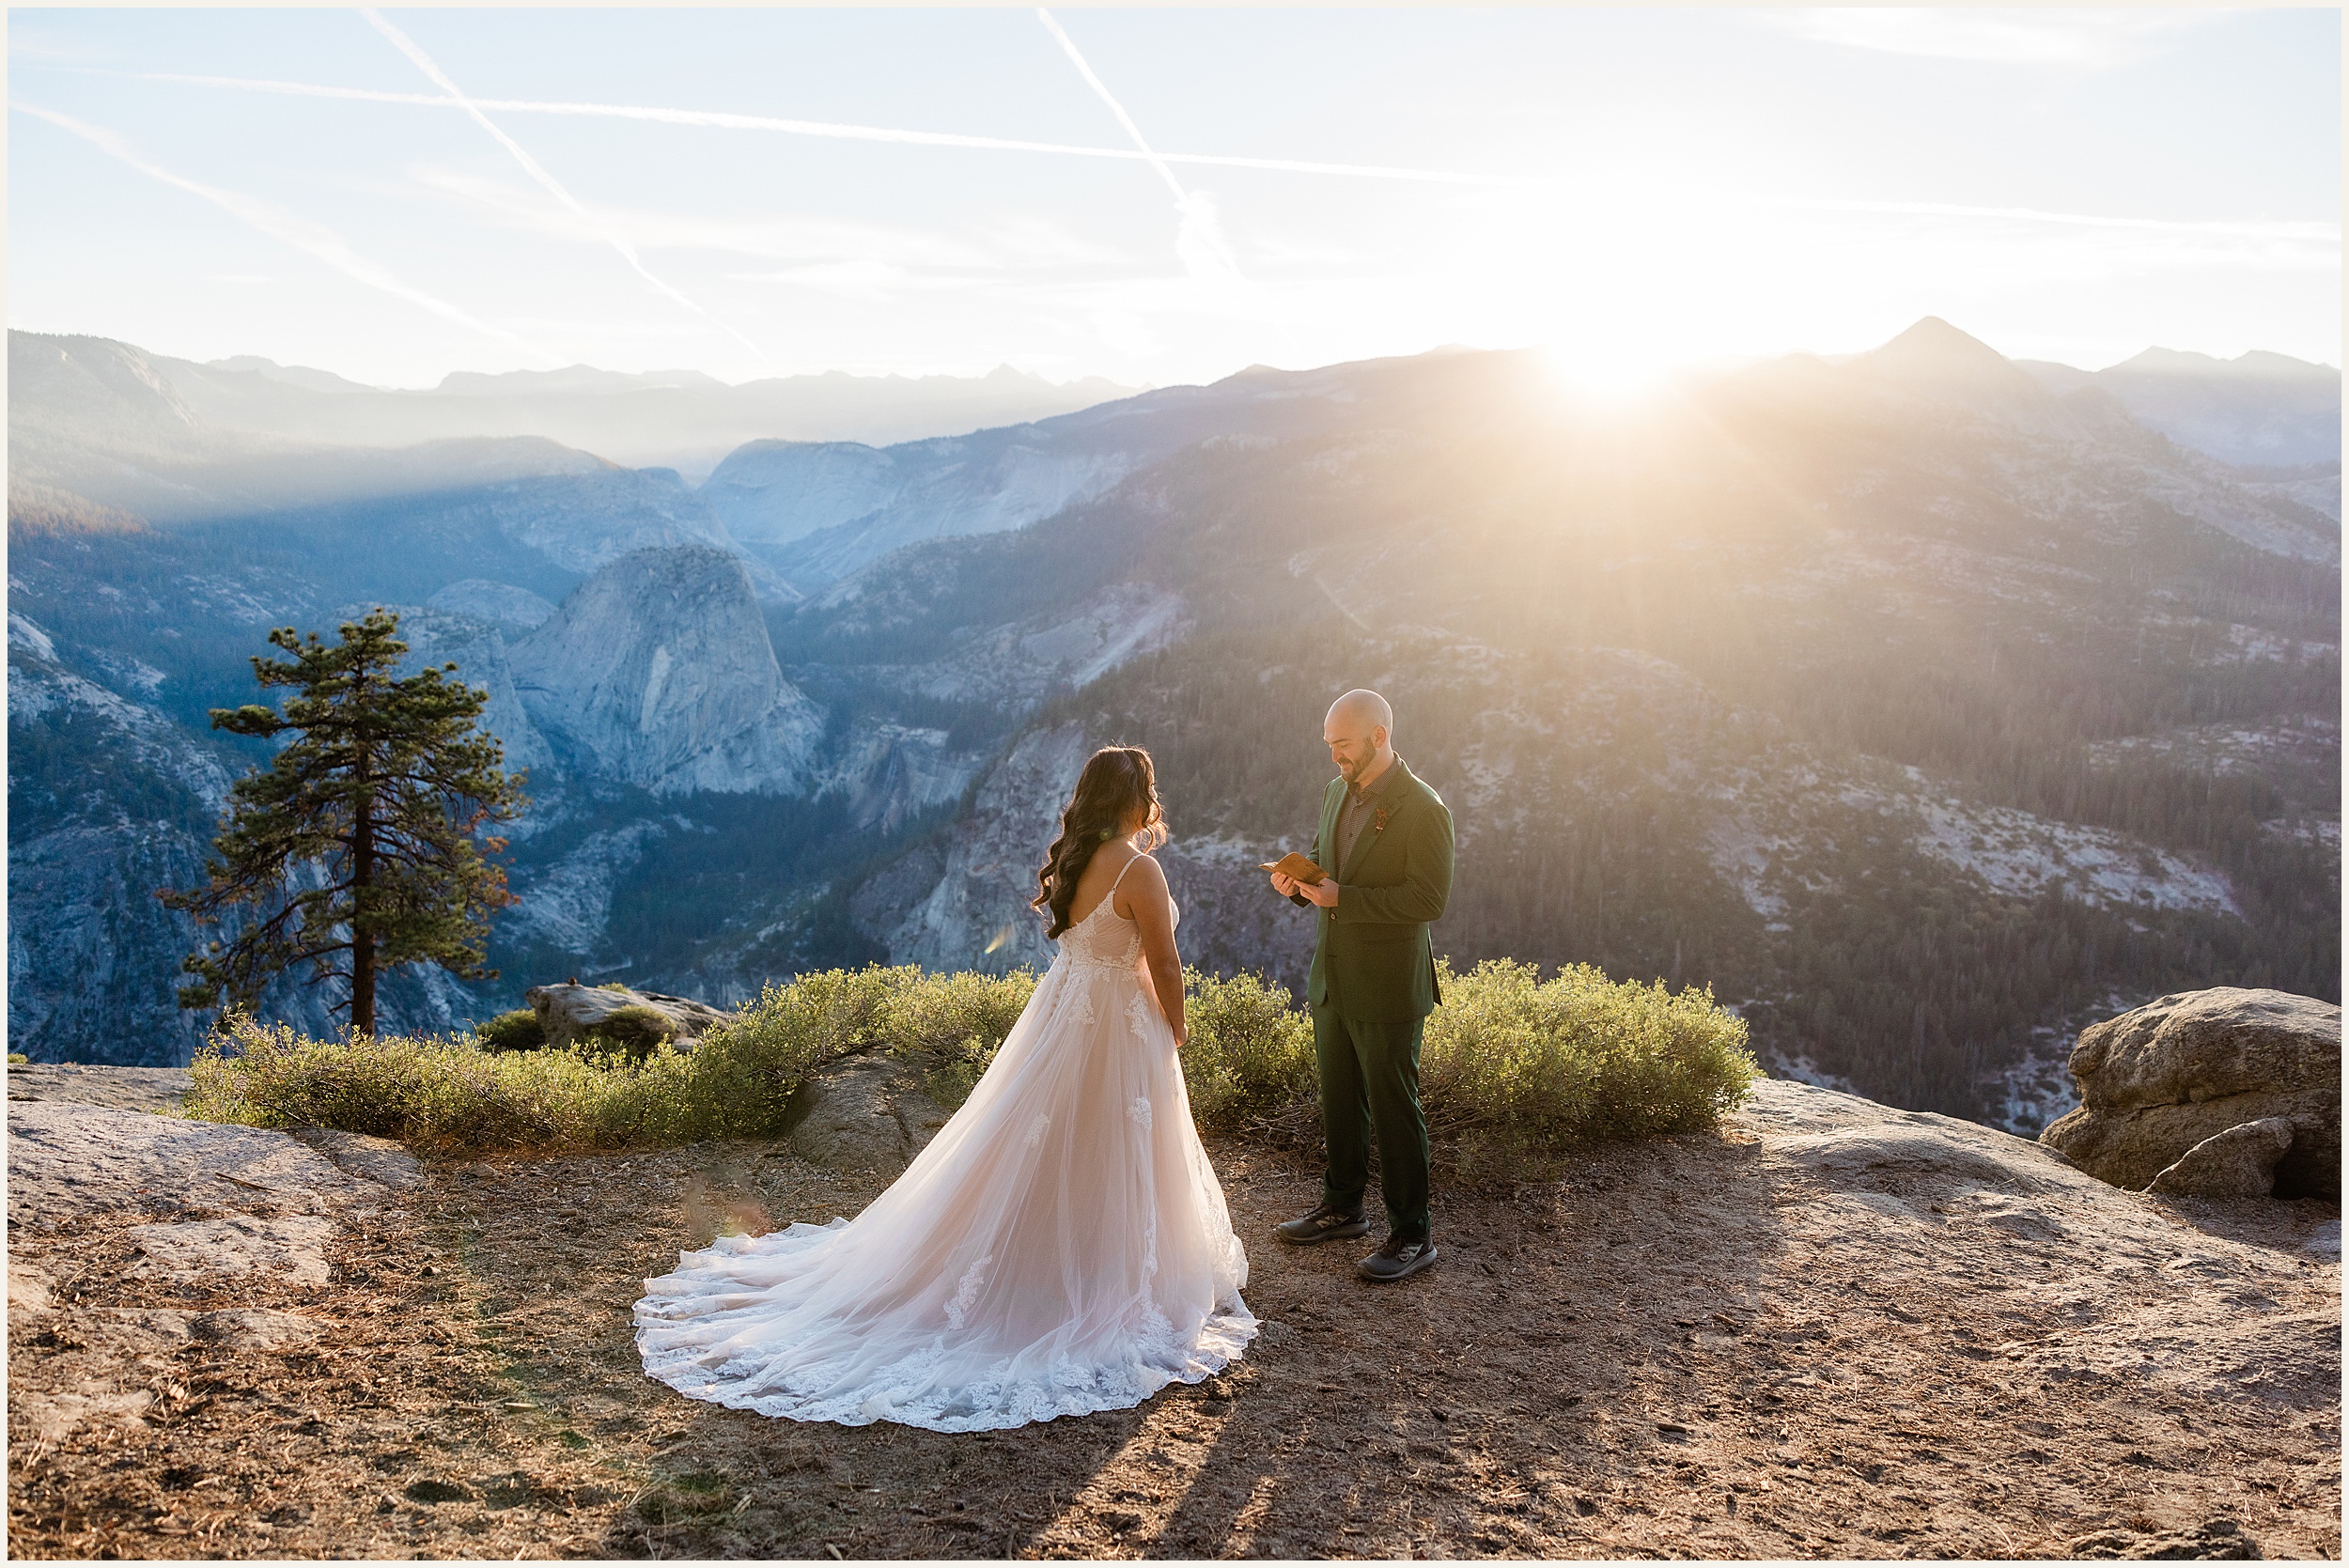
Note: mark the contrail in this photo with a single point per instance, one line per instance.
(1200, 241)
(311, 238)
(723, 120)
(1069, 47)
(553, 187)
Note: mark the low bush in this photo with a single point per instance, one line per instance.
(1250, 1053)
(749, 1066)
(516, 1031)
(443, 1091)
(1515, 1070)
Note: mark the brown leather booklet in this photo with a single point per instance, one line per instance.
(1296, 866)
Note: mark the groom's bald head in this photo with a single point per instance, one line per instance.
(1363, 710)
(1361, 735)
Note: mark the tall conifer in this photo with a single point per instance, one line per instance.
(357, 846)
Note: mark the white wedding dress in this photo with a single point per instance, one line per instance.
(1061, 1247)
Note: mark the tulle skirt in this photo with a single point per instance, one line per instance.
(1061, 1247)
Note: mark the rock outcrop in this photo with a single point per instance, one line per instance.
(122, 1088)
(567, 1011)
(864, 1113)
(2158, 1082)
(240, 1211)
(657, 671)
(2238, 1163)
(66, 1158)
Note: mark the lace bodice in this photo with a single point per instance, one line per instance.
(1105, 938)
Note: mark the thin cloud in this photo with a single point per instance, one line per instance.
(2215, 229)
(2039, 38)
(876, 281)
(1200, 241)
(553, 187)
(721, 120)
(312, 239)
(791, 237)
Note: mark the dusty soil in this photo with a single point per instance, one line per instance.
(1757, 1344)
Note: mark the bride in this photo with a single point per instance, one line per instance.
(1061, 1247)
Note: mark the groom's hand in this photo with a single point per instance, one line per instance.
(1285, 886)
(1323, 894)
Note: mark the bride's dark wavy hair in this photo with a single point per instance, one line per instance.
(1117, 780)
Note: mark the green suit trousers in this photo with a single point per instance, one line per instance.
(1370, 1081)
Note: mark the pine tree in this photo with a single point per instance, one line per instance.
(357, 847)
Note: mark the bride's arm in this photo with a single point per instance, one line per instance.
(1150, 906)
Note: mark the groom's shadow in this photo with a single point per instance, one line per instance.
(1476, 1407)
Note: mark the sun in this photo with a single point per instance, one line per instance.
(1606, 367)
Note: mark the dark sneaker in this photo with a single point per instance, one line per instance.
(1396, 1259)
(1324, 1224)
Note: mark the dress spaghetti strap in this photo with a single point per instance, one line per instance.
(1106, 897)
(1120, 874)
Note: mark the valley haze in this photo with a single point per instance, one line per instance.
(1926, 704)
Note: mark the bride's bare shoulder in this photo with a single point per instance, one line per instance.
(1141, 874)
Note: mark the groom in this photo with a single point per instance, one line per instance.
(1385, 841)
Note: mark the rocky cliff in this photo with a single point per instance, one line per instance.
(657, 671)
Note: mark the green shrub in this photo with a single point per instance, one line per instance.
(443, 1091)
(1250, 1053)
(1514, 1069)
(746, 1067)
(955, 1023)
(516, 1031)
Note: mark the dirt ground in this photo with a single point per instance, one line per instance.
(1681, 1350)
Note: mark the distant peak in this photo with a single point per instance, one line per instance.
(2258, 364)
(2171, 362)
(1933, 336)
(1934, 359)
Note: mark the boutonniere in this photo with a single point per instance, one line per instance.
(1379, 819)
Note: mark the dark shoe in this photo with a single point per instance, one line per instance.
(1396, 1259)
(1324, 1224)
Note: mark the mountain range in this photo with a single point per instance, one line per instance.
(1924, 704)
(88, 397)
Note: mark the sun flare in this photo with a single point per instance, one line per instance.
(1606, 370)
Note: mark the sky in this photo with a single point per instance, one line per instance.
(1163, 197)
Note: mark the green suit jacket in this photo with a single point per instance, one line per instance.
(1372, 958)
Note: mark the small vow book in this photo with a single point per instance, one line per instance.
(1298, 867)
